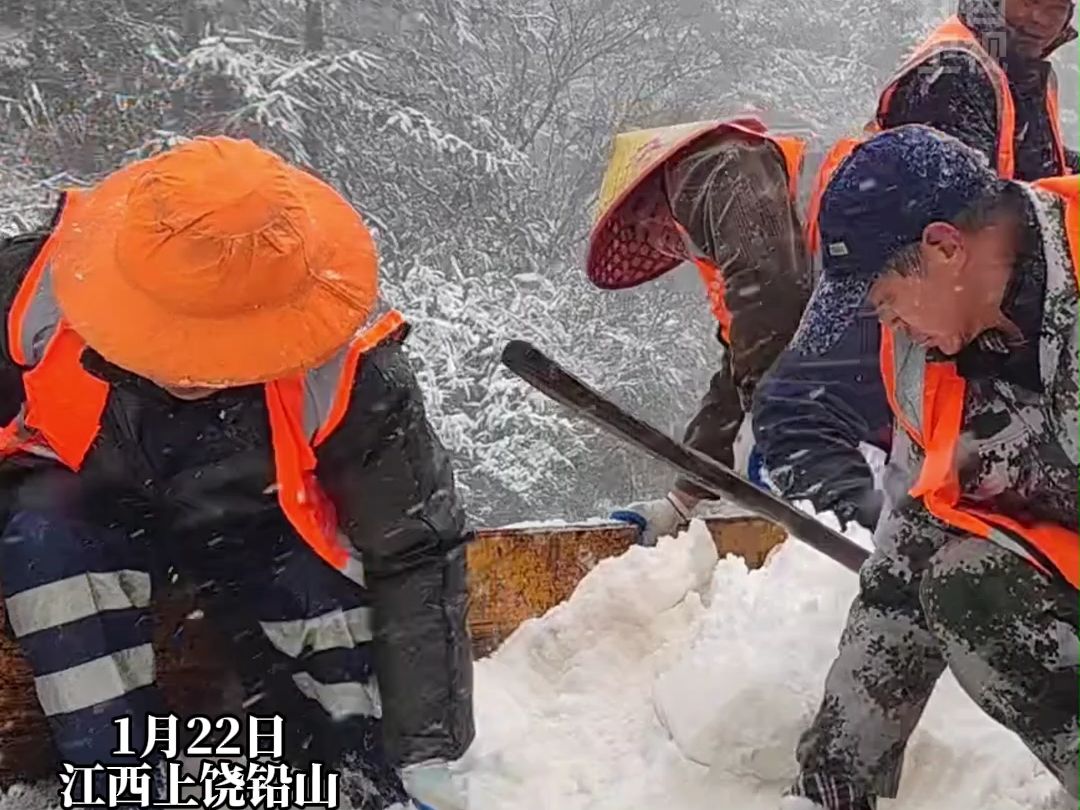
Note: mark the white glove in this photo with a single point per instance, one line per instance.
(432, 784)
(655, 519)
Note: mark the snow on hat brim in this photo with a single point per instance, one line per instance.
(619, 255)
(881, 199)
(834, 306)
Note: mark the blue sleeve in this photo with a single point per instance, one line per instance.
(811, 413)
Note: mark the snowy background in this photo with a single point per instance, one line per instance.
(472, 135)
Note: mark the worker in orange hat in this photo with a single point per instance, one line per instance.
(722, 195)
(198, 374)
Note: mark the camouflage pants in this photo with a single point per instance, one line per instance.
(1006, 631)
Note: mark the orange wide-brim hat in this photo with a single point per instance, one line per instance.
(214, 264)
(619, 253)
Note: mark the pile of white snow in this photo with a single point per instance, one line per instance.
(673, 681)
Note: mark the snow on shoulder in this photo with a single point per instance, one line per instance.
(676, 681)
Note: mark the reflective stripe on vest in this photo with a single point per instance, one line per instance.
(952, 35)
(61, 413)
(61, 416)
(793, 150)
(304, 411)
(928, 401)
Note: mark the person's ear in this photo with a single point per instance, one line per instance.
(944, 240)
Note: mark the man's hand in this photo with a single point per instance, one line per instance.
(659, 518)
(431, 786)
(867, 509)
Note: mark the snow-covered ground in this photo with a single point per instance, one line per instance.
(671, 680)
(675, 681)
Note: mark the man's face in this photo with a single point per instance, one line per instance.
(922, 306)
(930, 304)
(1035, 24)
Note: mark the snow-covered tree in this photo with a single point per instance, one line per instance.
(472, 135)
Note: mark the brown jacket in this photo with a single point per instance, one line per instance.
(731, 195)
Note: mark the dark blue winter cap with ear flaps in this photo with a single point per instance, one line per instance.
(880, 200)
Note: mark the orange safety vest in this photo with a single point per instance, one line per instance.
(951, 35)
(64, 403)
(934, 424)
(793, 150)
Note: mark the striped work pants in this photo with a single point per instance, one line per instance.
(299, 632)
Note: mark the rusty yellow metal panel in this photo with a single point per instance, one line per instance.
(520, 573)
